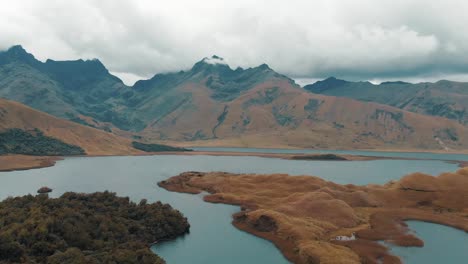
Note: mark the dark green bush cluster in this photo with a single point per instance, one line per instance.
(84, 228)
(17, 141)
(156, 147)
(319, 157)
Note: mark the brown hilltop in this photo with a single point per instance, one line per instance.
(303, 215)
(93, 141)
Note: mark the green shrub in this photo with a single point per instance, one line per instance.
(17, 141)
(156, 147)
(84, 228)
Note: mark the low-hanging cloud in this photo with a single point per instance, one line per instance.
(361, 39)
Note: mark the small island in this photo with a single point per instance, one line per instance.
(44, 189)
(85, 228)
(319, 157)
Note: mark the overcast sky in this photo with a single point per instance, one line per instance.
(359, 40)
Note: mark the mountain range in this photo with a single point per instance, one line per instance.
(443, 98)
(213, 104)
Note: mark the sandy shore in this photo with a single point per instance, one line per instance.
(304, 215)
(24, 162)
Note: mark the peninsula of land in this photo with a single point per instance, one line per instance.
(316, 221)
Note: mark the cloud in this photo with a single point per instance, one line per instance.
(360, 39)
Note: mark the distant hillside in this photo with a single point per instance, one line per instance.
(443, 98)
(65, 89)
(214, 104)
(259, 107)
(18, 141)
(279, 113)
(14, 115)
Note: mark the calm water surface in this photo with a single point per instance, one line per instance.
(442, 244)
(415, 155)
(212, 239)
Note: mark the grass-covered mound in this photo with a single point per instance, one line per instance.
(156, 147)
(84, 228)
(18, 141)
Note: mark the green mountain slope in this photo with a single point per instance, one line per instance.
(66, 89)
(443, 98)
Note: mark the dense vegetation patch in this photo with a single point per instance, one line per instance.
(312, 107)
(84, 228)
(447, 134)
(282, 116)
(18, 141)
(398, 117)
(319, 157)
(156, 147)
(263, 98)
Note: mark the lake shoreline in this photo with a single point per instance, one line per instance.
(27, 162)
(204, 144)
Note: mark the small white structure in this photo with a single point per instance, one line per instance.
(345, 238)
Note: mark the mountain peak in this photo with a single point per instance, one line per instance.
(17, 53)
(78, 65)
(393, 82)
(16, 49)
(264, 66)
(210, 65)
(333, 79)
(214, 60)
(328, 83)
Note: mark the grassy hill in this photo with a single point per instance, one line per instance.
(16, 116)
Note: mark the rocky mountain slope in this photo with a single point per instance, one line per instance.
(279, 112)
(214, 104)
(443, 98)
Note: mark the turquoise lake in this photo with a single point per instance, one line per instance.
(442, 244)
(415, 155)
(212, 238)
